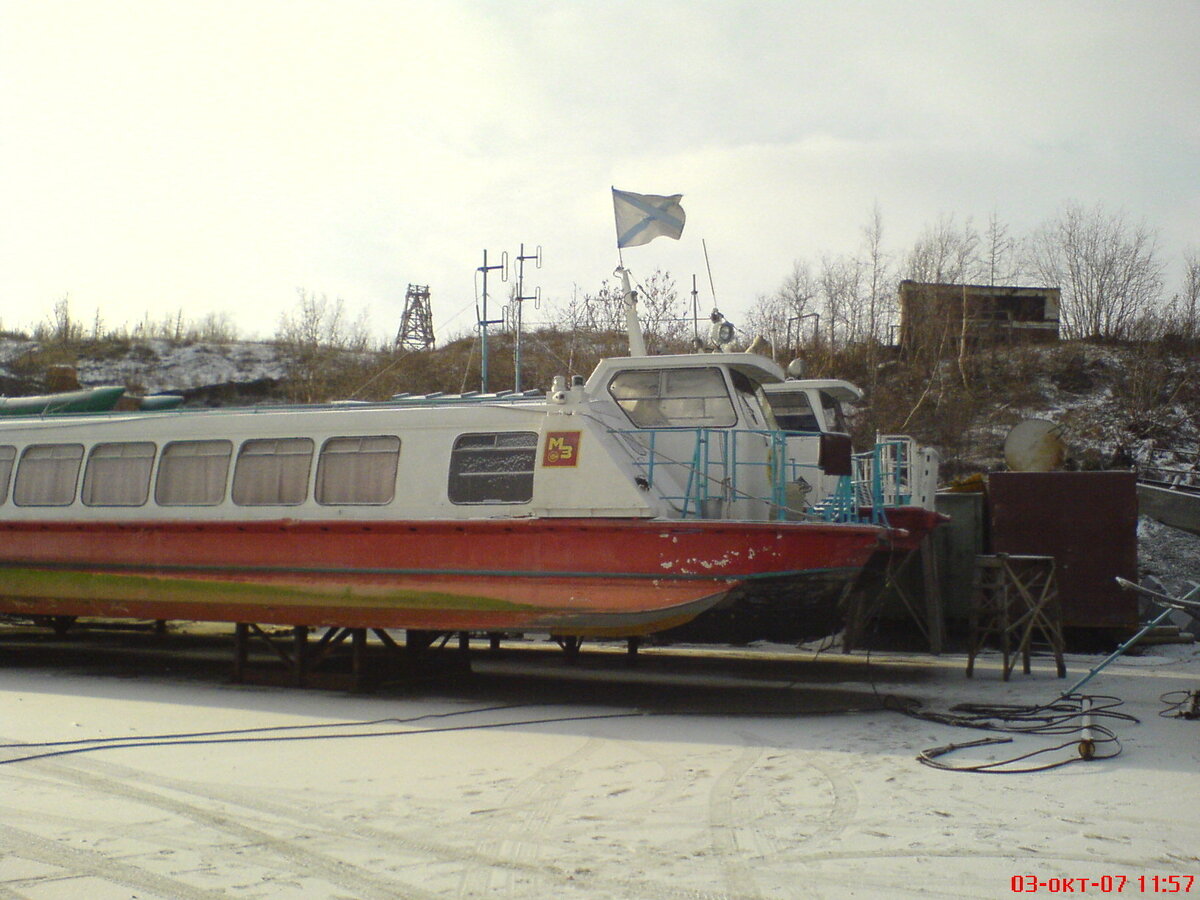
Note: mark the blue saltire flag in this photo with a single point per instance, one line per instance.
(643, 217)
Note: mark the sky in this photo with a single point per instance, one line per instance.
(216, 157)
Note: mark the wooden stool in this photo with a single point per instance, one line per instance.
(1015, 597)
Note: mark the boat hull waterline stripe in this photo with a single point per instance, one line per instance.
(596, 606)
(151, 571)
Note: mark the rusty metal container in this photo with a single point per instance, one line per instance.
(1088, 522)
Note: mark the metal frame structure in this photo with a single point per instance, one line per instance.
(416, 323)
(1016, 598)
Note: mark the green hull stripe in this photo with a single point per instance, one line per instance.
(453, 573)
(130, 588)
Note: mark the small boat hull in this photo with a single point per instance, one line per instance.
(587, 577)
(85, 400)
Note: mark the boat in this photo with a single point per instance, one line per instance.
(95, 399)
(893, 484)
(157, 402)
(619, 506)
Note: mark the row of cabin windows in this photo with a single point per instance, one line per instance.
(351, 471)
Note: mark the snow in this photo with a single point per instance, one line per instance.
(764, 773)
(163, 366)
(1168, 555)
(157, 366)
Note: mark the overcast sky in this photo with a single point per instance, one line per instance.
(216, 156)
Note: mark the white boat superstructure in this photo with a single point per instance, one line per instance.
(825, 475)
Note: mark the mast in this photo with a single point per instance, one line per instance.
(637, 343)
(484, 321)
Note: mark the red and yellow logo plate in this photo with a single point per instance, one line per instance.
(562, 448)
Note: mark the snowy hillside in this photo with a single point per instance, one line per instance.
(151, 367)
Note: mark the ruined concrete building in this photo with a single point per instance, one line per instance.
(931, 315)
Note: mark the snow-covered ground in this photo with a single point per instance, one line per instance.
(157, 366)
(171, 367)
(726, 776)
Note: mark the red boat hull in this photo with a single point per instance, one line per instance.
(567, 576)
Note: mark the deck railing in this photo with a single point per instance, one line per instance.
(896, 472)
(701, 472)
(711, 469)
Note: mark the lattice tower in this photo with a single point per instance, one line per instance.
(416, 325)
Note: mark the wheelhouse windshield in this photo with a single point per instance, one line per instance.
(674, 398)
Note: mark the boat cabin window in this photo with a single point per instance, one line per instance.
(793, 412)
(754, 401)
(8, 455)
(674, 398)
(834, 420)
(118, 474)
(358, 470)
(272, 472)
(47, 475)
(193, 473)
(493, 468)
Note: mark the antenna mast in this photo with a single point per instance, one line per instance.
(519, 300)
(483, 320)
(712, 287)
(416, 324)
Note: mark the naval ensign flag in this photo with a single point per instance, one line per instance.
(643, 217)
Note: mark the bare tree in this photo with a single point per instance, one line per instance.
(662, 315)
(999, 254)
(879, 296)
(945, 253)
(769, 316)
(1107, 269)
(781, 317)
(659, 309)
(316, 339)
(1181, 317)
(1190, 299)
(62, 330)
(840, 285)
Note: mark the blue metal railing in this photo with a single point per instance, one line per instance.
(710, 464)
(883, 476)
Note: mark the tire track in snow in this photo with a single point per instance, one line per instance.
(77, 863)
(301, 861)
(740, 821)
(723, 825)
(534, 802)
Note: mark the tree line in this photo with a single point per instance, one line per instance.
(1108, 268)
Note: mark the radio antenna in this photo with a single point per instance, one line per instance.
(695, 309)
(711, 287)
(519, 299)
(484, 321)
